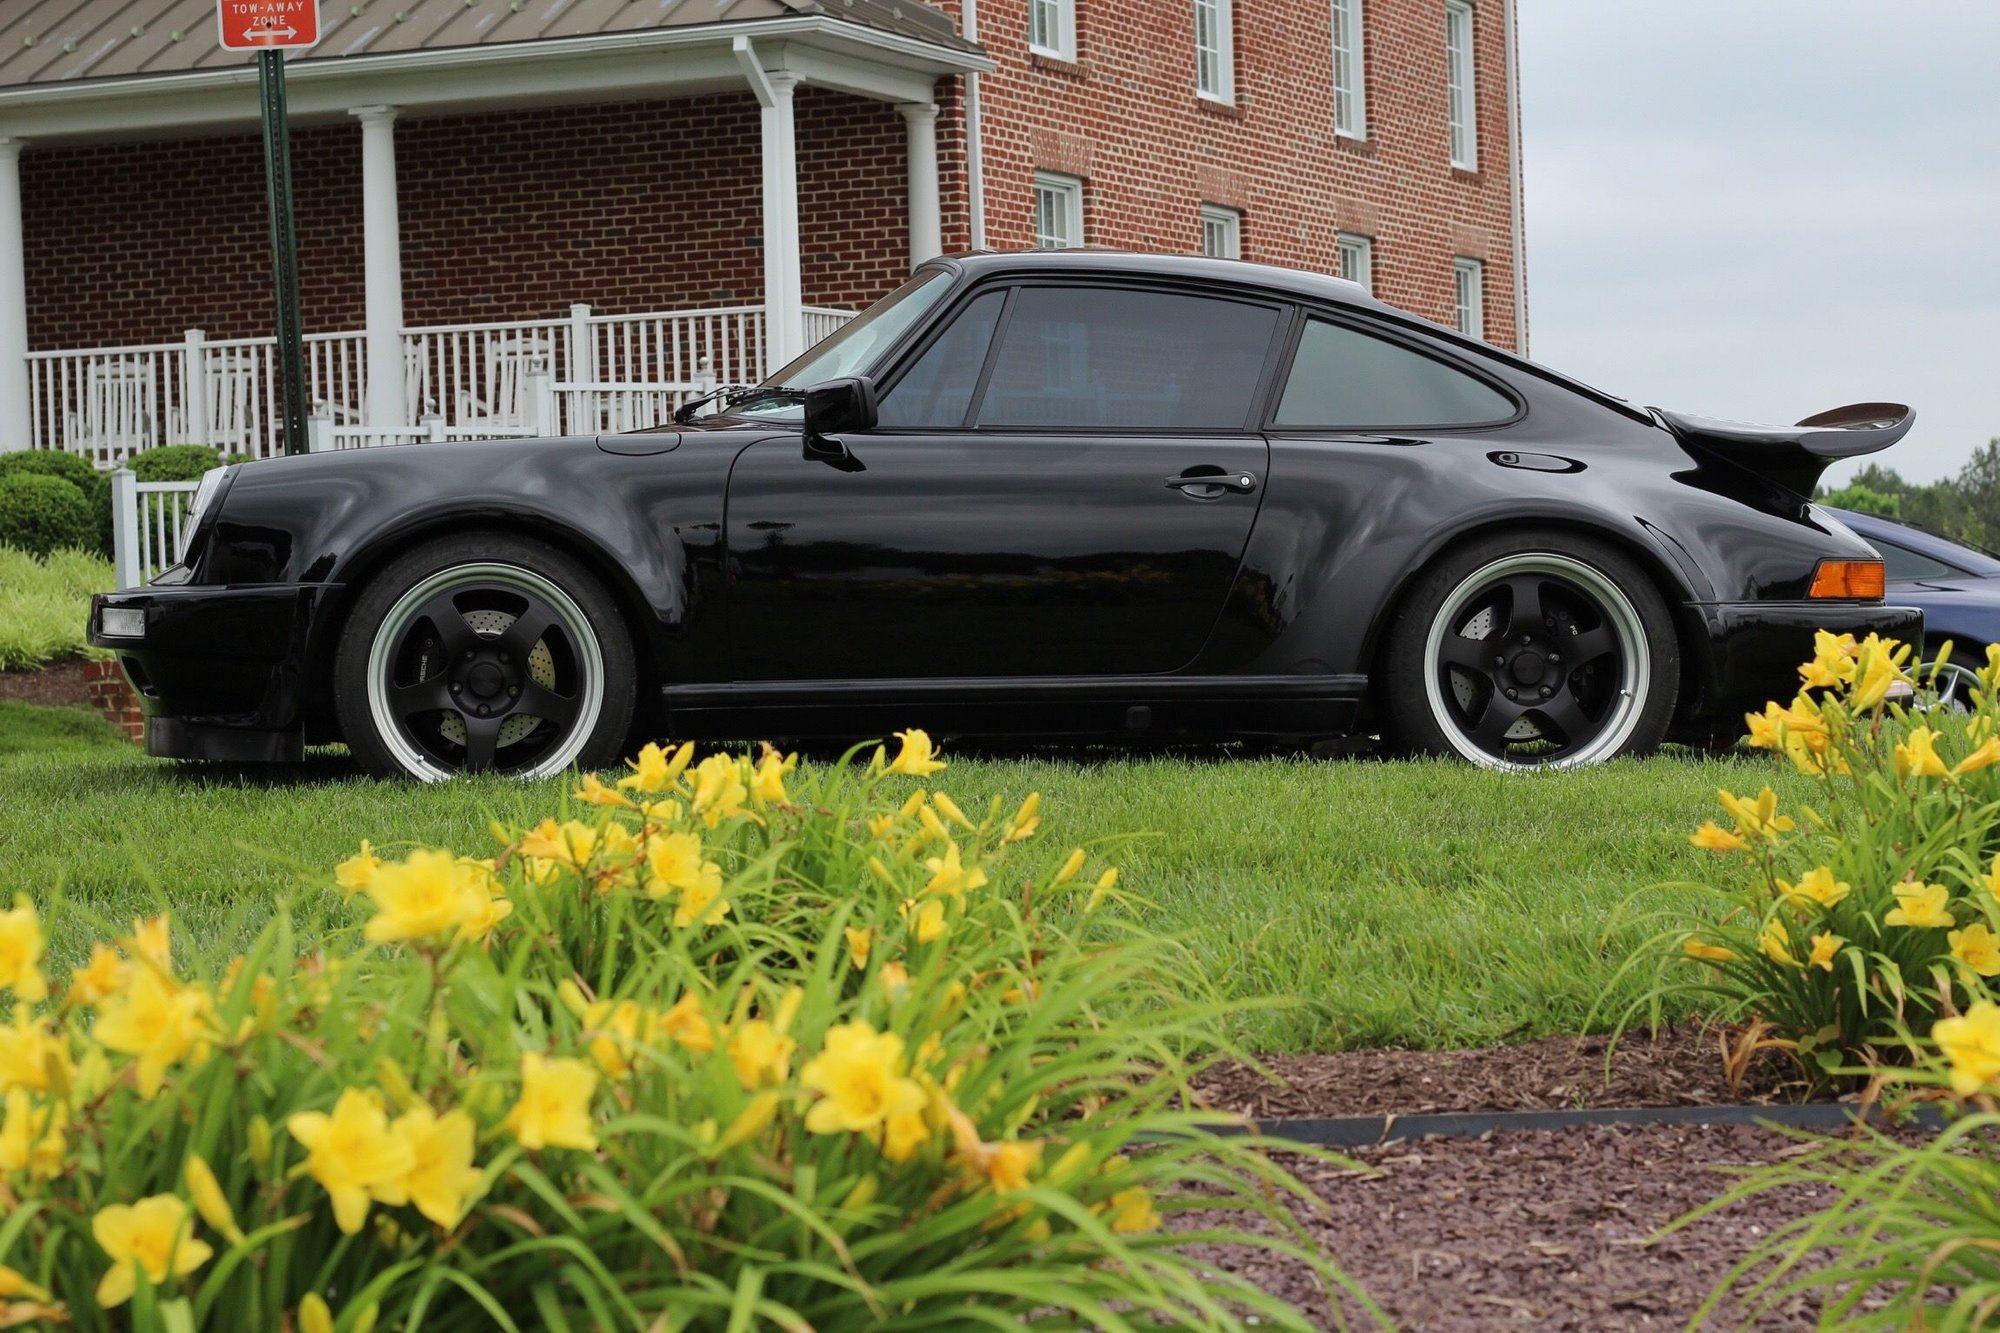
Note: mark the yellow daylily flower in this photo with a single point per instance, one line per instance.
(1920, 906)
(857, 1079)
(21, 947)
(566, 844)
(859, 940)
(1816, 886)
(592, 791)
(1977, 947)
(925, 919)
(767, 784)
(1707, 953)
(761, 1054)
(674, 862)
(1971, 1045)
(30, 1051)
(554, 1109)
(687, 1024)
(718, 789)
(1756, 817)
(1025, 821)
(153, 1235)
(617, 1032)
(1917, 755)
(357, 872)
(1132, 1211)
(427, 893)
(1825, 948)
(1776, 944)
(1985, 756)
(1714, 838)
(353, 1155)
(914, 758)
(441, 1177)
(103, 975)
(31, 1137)
(156, 1019)
(948, 876)
(700, 903)
(895, 979)
(152, 940)
(655, 770)
(1878, 668)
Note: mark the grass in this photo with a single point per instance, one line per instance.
(1420, 904)
(44, 603)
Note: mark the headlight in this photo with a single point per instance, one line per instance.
(211, 485)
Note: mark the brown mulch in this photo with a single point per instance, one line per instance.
(58, 686)
(1546, 1231)
(1681, 1067)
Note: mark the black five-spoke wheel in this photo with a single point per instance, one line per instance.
(478, 655)
(1530, 651)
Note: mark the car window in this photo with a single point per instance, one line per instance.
(1901, 564)
(1342, 377)
(1105, 356)
(855, 348)
(936, 392)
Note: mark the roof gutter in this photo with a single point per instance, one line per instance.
(909, 51)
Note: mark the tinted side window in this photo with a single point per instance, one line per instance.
(1099, 356)
(1344, 378)
(1900, 563)
(937, 391)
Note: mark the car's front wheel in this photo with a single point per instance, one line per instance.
(1532, 650)
(484, 653)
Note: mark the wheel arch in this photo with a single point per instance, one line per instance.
(368, 561)
(1670, 583)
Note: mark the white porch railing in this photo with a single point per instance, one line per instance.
(462, 381)
(148, 526)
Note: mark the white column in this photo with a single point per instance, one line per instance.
(14, 419)
(926, 223)
(784, 316)
(382, 248)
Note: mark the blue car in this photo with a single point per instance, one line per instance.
(1958, 588)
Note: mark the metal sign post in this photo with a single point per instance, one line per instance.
(267, 27)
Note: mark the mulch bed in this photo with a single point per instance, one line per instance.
(1680, 1067)
(1545, 1231)
(58, 686)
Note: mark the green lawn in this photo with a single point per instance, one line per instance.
(1422, 904)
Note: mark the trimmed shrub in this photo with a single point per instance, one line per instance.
(54, 463)
(174, 462)
(40, 514)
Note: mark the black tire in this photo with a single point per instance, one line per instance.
(484, 651)
(1586, 670)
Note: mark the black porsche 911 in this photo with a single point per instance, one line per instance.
(1056, 495)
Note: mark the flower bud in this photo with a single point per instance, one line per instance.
(314, 1317)
(209, 1200)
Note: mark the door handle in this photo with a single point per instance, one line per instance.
(1223, 481)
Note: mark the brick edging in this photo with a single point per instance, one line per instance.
(113, 697)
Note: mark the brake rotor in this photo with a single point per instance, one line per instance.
(1480, 627)
(541, 669)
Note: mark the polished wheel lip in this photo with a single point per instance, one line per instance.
(526, 582)
(1956, 695)
(1635, 680)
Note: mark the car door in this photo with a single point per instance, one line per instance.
(1063, 482)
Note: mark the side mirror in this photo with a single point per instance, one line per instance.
(836, 408)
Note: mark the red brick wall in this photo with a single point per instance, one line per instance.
(655, 205)
(112, 695)
(640, 206)
(1126, 117)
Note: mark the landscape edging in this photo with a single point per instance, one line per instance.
(1362, 1131)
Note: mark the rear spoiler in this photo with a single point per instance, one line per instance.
(1795, 456)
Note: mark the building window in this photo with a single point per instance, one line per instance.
(1350, 75)
(1214, 50)
(1468, 289)
(1052, 27)
(1459, 77)
(1357, 259)
(1221, 232)
(1058, 211)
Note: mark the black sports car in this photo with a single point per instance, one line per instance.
(1060, 495)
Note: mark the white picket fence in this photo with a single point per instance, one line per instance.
(610, 372)
(149, 528)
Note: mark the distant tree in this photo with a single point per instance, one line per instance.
(1865, 499)
(1965, 508)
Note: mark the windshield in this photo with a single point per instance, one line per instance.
(852, 351)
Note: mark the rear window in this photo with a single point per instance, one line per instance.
(1344, 378)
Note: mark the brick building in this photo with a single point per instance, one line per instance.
(627, 193)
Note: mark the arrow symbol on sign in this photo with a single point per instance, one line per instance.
(270, 34)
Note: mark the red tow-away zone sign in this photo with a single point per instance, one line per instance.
(263, 25)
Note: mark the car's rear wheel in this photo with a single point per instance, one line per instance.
(1532, 650)
(483, 653)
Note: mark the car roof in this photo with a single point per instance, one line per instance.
(1968, 558)
(1299, 284)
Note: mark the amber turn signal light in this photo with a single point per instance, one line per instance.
(1854, 580)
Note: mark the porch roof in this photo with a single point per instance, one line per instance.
(59, 41)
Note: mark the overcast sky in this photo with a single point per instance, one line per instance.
(1759, 209)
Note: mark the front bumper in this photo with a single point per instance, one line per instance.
(220, 671)
(1755, 648)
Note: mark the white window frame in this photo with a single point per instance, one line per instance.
(1357, 258)
(1461, 84)
(1052, 28)
(1221, 232)
(1350, 71)
(1065, 195)
(1218, 53)
(1468, 294)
